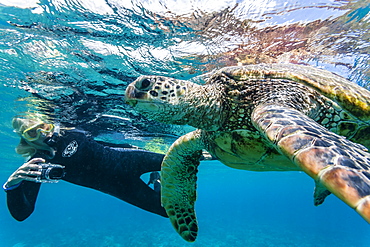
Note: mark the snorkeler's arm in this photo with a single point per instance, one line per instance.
(146, 198)
(144, 161)
(115, 145)
(126, 167)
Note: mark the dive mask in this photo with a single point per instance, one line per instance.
(33, 133)
(53, 139)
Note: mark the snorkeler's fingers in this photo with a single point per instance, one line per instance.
(32, 165)
(31, 179)
(34, 173)
(27, 169)
(35, 161)
(29, 173)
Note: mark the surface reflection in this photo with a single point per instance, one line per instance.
(79, 56)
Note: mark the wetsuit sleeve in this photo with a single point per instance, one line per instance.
(145, 198)
(121, 177)
(144, 161)
(114, 145)
(21, 200)
(142, 195)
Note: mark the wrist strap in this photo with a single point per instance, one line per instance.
(11, 187)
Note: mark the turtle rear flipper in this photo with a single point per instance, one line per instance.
(178, 181)
(320, 193)
(342, 166)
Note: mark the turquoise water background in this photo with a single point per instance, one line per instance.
(73, 59)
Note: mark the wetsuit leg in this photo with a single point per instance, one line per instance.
(21, 200)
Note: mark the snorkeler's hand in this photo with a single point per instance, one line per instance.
(28, 171)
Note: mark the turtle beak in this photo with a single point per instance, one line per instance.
(132, 95)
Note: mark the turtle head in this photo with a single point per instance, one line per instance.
(159, 98)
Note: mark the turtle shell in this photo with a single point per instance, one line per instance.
(350, 96)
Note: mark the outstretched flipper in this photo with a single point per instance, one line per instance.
(178, 181)
(342, 166)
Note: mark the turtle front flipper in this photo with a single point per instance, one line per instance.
(178, 181)
(340, 165)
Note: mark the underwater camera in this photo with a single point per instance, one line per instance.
(50, 173)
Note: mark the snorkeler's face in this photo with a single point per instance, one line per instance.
(34, 132)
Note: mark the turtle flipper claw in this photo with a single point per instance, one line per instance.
(333, 161)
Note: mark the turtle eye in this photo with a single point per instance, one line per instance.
(145, 83)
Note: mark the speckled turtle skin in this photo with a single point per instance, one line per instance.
(265, 117)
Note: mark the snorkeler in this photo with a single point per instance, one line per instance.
(76, 158)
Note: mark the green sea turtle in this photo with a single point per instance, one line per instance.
(265, 117)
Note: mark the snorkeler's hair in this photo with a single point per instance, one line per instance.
(28, 148)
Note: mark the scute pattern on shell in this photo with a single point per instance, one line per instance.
(348, 95)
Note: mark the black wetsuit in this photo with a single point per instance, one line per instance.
(115, 171)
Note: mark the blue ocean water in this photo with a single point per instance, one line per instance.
(72, 60)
